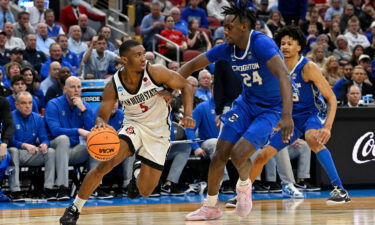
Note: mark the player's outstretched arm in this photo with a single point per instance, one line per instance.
(193, 65)
(312, 73)
(278, 68)
(105, 108)
(176, 81)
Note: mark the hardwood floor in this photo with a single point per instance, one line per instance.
(360, 211)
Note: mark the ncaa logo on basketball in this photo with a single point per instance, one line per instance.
(364, 149)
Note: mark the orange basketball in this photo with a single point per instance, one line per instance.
(103, 143)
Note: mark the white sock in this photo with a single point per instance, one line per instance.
(211, 200)
(78, 202)
(243, 182)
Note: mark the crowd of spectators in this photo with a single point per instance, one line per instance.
(43, 60)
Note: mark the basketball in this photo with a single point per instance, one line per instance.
(103, 143)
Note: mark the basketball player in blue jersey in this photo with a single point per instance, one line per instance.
(266, 96)
(146, 125)
(310, 113)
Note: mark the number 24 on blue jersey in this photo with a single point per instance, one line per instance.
(249, 80)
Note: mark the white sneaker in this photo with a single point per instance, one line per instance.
(290, 191)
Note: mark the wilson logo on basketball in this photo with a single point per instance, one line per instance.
(106, 150)
(103, 143)
(364, 149)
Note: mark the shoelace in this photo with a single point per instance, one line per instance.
(73, 211)
(292, 191)
(335, 192)
(289, 189)
(74, 208)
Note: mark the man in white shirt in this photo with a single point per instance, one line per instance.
(355, 38)
(74, 42)
(12, 41)
(37, 13)
(42, 40)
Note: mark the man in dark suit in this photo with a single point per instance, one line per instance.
(354, 96)
(358, 77)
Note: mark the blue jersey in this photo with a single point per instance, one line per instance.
(260, 86)
(307, 98)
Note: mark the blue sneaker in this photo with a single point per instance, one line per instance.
(290, 191)
(3, 197)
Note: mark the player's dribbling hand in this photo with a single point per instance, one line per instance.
(286, 125)
(322, 135)
(188, 122)
(100, 125)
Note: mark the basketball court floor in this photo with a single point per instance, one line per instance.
(166, 210)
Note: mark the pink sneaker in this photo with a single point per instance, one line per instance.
(205, 213)
(244, 202)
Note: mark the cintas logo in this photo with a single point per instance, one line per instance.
(364, 149)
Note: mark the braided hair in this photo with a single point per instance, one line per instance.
(243, 14)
